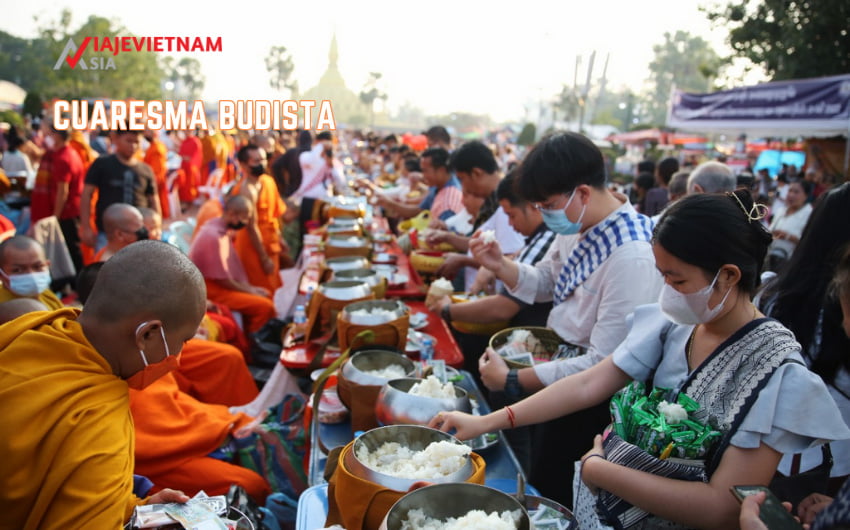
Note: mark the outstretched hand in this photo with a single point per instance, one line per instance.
(167, 495)
(466, 426)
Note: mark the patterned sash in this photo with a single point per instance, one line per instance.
(595, 247)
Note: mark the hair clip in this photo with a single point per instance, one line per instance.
(756, 213)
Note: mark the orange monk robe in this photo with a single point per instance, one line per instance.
(67, 442)
(207, 156)
(209, 210)
(192, 153)
(88, 252)
(156, 157)
(215, 372)
(46, 297)
(268, 210)
(7, 227)
(227, 330)
(79, 144)
(175, 433)
(213, 253)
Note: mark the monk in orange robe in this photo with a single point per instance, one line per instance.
(191, 152)
(259, 246)
(175, 433)
(215, 372)
(68, 439)
(227, 282)
(211, 371)
(78, 143)
(210, 209)
(156, 157)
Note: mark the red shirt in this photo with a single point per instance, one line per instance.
(62, 165)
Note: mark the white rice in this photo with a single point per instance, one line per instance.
(443, 284)
(473, 520)
(439, 459)
(392, 371)
(433, 388)
(371, 317)
(525, 340)
(488, 236)
(673, 412)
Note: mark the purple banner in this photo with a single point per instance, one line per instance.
(820, 104)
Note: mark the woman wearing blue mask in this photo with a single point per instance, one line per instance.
(597, 271)
(705, 339)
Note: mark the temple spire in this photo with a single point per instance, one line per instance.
(333, 55)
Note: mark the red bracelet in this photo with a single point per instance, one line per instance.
(511, 417)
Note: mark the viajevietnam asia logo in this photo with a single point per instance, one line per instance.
(74, 56)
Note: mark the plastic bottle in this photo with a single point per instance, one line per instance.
(299, 319)
(426, 354)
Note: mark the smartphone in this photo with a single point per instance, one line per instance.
(771, 513)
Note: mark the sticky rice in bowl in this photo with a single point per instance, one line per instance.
(457, 506)
(416, 401)
(374, 366)
(397, 456)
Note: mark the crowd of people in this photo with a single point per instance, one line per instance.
(732, 292)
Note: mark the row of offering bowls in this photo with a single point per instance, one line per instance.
(395, 405)
(443, 496)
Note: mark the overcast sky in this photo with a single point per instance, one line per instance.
(442, 56)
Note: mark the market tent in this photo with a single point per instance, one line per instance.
(818, 107)
(11, 95)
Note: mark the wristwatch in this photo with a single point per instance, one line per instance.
(513, 389)
(446, 313)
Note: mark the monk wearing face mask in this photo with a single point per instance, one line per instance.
(227, 282)
(25, 272)
(123, 224)
(64, 382)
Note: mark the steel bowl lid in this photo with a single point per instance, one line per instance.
(344, 263)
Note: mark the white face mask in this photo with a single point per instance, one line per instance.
(690, 308)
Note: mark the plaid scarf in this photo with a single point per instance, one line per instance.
(595, 247)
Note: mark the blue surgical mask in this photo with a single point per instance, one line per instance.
(30, 284)
(558, 222)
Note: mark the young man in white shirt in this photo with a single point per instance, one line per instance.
(597, 271)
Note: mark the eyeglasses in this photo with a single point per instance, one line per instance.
(544, 206)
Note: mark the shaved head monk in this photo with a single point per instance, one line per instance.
(227, 282)
(64, 375)
(25, 272)
(259, 245)
(123, 224)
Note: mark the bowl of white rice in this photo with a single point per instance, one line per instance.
(416, 401)
(347, 241)
(374, 312)
(376, 366)
(457, 506)
(398, 456)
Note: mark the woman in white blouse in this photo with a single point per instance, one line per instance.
(787, 227)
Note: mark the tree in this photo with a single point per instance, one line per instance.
(370, 93)
(280, 67)
(30, 64)
(183, 79)
(528, 135)
(685, 60)
(789, 39)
